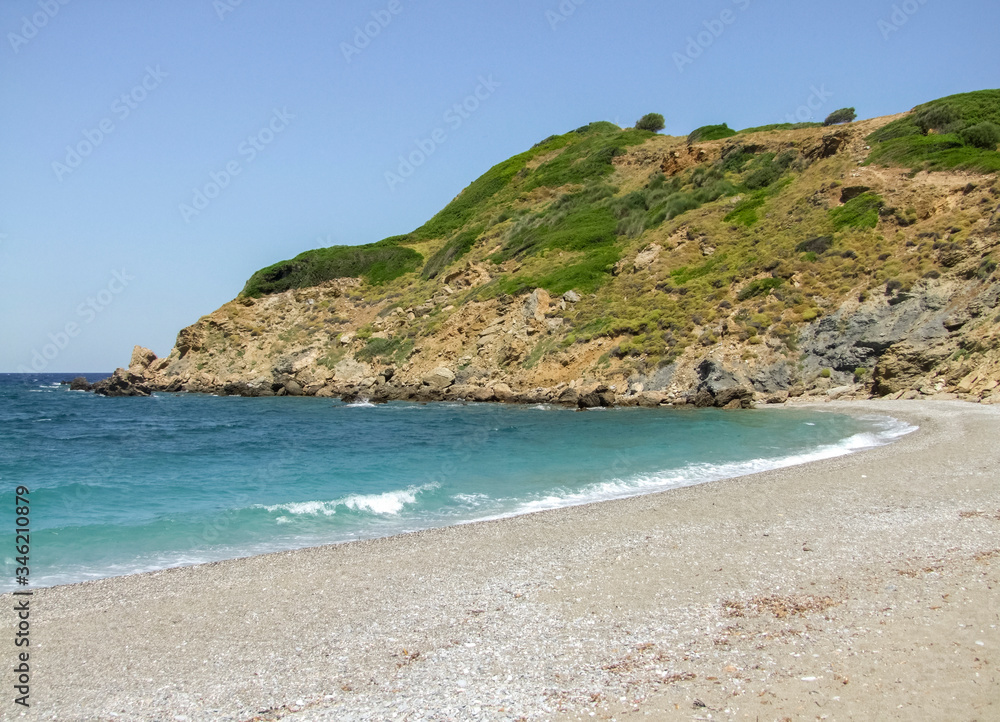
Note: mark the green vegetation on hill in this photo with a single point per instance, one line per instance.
(781, 126)
(942, 134)
(860, 212)
(710, 132)
(754, 236)
(377, 263)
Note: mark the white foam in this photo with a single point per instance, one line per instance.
(692, 474)
(472, 499)
(361, 404)
(388, 503)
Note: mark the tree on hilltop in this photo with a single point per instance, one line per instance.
(844, 115)
(651, 121)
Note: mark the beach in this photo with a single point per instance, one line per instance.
(859, 587)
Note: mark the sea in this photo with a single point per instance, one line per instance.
(117, 486)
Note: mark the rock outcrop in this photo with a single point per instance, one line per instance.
(122, 383)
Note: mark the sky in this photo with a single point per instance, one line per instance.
(153, 155)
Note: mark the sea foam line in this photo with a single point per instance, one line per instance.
(388, 503)
(702, 473)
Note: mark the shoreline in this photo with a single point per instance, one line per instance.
(564, 612)
(691, 474)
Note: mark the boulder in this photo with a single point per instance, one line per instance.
(569, 396)
(80, 383)
(571, 296)
(836, 393)
(462, 391)
(651, 399)
(647, 256)
(426, 394)
(536, 305)
(503, 393)
(595, 396)
(482, 394)
(720, 387)
(293, 388)
(439, 378)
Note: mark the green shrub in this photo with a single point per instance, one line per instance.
(759, 287)
(939, 118)
(376, 262)
(820, 244)
(652, 122)
(710, 132)
(985, 135)
(844, 115)
(859, 212)
(735, 157)
(767, 168)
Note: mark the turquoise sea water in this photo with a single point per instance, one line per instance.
(126, 485)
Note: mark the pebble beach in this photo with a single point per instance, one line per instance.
(860, 587)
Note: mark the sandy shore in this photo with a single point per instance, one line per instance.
(861, 587)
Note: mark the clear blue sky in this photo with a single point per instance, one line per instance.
(154, 97)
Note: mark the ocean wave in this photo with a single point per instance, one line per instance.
(361, 404)
(389, 503)
(888, 430)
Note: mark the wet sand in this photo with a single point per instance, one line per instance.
(860, 587)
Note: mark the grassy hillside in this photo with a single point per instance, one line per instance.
(960, 131)
(749, 234)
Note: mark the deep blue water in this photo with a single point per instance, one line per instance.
(134, 484)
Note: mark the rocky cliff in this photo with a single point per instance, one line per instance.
(621, 267)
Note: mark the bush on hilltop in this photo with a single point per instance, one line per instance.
(844, 115)
(651, 121)
(985, 135)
